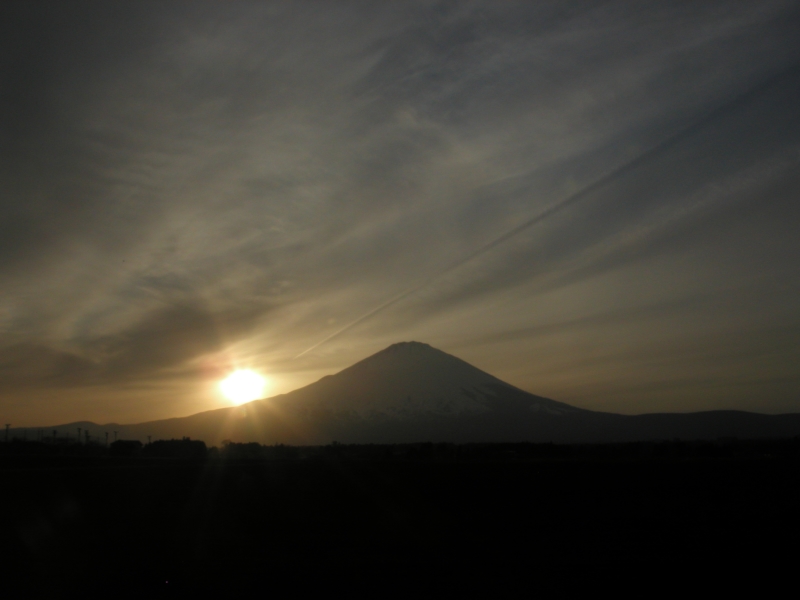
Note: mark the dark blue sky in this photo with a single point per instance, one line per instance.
(596, 202)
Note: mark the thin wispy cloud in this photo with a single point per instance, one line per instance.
(296, 186)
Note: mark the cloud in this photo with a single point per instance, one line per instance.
(158, 347)
(190, 178)
(641, 186)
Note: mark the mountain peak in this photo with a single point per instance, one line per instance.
(409, 355)
(409, 347)
(412, 379)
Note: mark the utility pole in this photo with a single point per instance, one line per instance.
(148, 439)
(79, 435)
(106, 439)
(86, 433)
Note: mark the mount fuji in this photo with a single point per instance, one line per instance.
(412, 392)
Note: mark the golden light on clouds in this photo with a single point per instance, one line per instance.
(243, 386)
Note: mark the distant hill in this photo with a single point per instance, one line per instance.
(411, 392)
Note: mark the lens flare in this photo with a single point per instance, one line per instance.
(243, 386)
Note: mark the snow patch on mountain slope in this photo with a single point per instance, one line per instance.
(410, 379)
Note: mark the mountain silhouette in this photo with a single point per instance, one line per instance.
(412, 392)
(412, 379)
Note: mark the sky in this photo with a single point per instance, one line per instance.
(597, 202)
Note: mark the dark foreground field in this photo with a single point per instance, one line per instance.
(494, 516)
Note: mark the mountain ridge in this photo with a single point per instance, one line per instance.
(412, 392)
(415, 378)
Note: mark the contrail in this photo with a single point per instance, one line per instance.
(631, 165)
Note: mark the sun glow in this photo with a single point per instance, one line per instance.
(243, 386)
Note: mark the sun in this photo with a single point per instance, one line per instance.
(243, 386)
